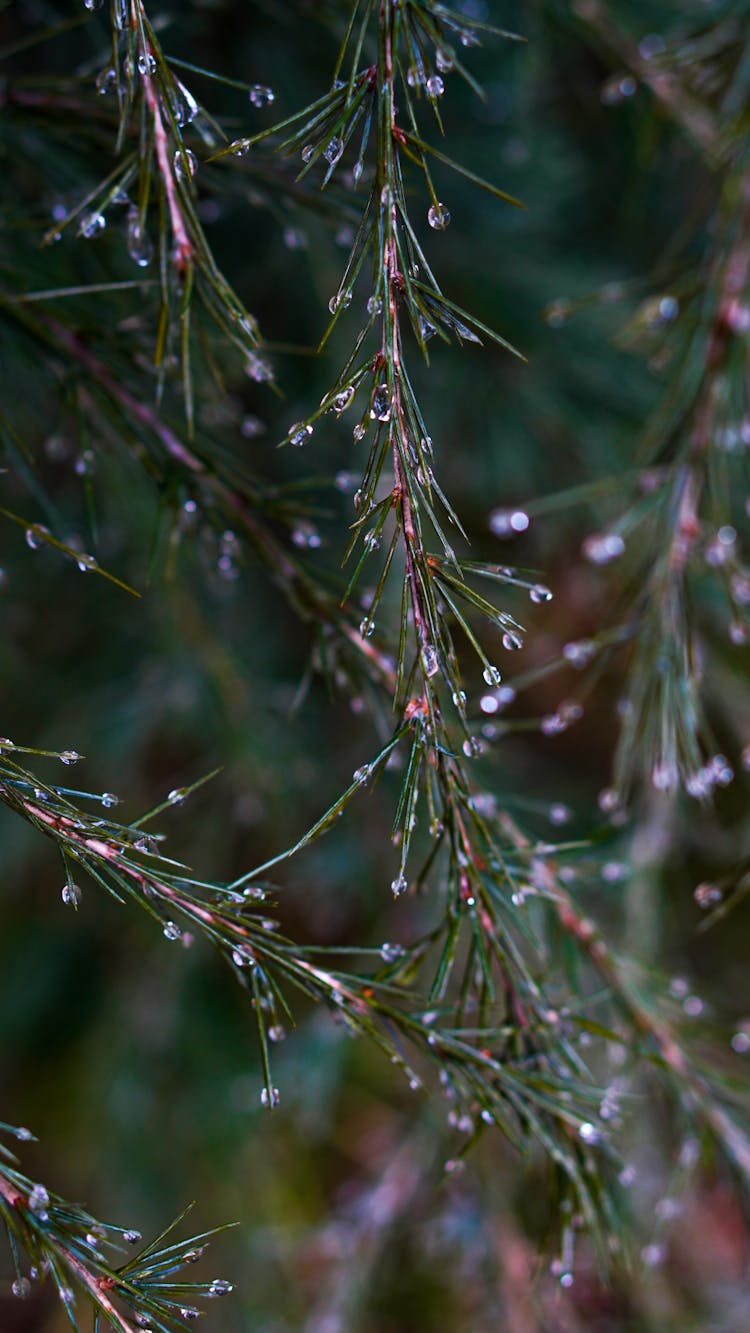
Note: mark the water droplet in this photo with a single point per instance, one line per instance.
(435, 87)
(707, 895)
(472, 747)
(589, 1133)
(559, 814)
(359, 432)
(132, 1237)
(511, 642)
(444, 61)
(21, 1288)
(343, 399)
(260, 95)
(177, 796)
(438, 216)
(603, 547)
(508, 522)
(242, 957)
(539, 593)
(93, 224)
(276, 1033)
(185, 164)
(333, 150)
(579, 653)
(299, 434)
(740, 1042)
(38, 1200)
(219, 1287)
(491, 675)
(71, 895)
(414, 76)
(256, 368)
(653, 1255)
(307, 152)
(366, 627)
(270, 1097)
(140, 245)
(399, 885)
(380, 408)
(109, 800)
(146, 64)
(106, 81)
(391, 952)
(172, 931)
(430, 662)
(616, 89)
(374, 305)
(69, 756)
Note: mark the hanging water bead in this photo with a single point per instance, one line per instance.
(438, 216)
(260, 95)
(299, 434)
(603, 547)
(71, 895)
(146, 65)
(374, 305)
(21, 1288)
(241, 147)
(380, 408)
(359, 432)
(399, 885)
(69, 756)
(366, 627)
(511, 642)
(444, 61)
(434, 86)
(184, 163)
(539, 593)
(430, 660)
(333, 150)
(414, 76)
(492, 675)
(559, 814)
(270, 1097)
(140, 246)
(132, 1237)
(617, 89)
(93, 224)
(172, 931)
(307, 152)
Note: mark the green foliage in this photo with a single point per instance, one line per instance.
(512, 986)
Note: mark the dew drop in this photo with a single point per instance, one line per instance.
(380, 408)
(511, 642)
(261, 95)
(601, 548)
(93, 224)
(707, 895)
(539, 593)
(185, 164)
(333, 150)
(69, 756)
(399, 885)
(21, 1288)
(508, 522)
(172, 931)
(270, 1097)
(438, 217)
(434, 86)
(38, 1200)
(299, 434)
(71, 895)
(491, 675)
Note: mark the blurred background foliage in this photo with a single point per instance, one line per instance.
(135, 1062)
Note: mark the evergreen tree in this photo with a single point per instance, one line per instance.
(481, 620)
